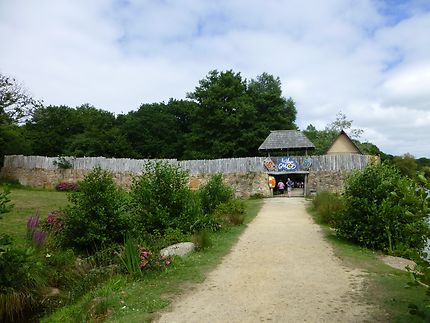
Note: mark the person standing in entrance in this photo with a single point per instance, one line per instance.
(281, 187)
(290, 185)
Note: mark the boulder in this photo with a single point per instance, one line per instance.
(397, 262)
(179, 249)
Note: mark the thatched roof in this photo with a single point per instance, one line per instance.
(286, 139)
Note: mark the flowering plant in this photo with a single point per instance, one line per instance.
(67, 187)
(34, 233)
(54, 222)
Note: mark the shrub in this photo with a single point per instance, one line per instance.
(214, 193)
(384, 211)
(160, 199)
(202, 240)
(5, 205)
(67, 187)
(230, 213)
(328, 206)
(97, 215)
(21, 280)
(256, 196)
(130, 257)
(63, 162)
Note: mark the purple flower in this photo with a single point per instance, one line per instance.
(33, 221)
(39, 237)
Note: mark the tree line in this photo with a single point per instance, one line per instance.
(225, 116)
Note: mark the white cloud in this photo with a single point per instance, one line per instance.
(366, 58)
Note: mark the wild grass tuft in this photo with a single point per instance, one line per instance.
(327, 205)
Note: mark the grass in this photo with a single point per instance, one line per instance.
(26, 202)
(122, 299)
(385, 287)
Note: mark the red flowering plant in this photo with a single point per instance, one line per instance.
(53, 222)
(136, 258)
(67, 187)
(144, 256)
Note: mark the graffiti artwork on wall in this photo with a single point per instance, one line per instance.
(307, 163)
(287, 164)
(269, 164)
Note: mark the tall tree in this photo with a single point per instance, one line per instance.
(407, 165)
(84, 131)
(274, 112)
(16, 105)
(154, 131)
(223, 118)
(51, 129)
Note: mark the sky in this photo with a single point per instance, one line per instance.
(368, 59)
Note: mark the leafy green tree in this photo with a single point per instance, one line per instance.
(234, 116)
(273, 111)
(83, 131)
(16, 105)
(98, 134)
(51, 129)
(342, 123)
(407, 165)
(14, 140)
(157, 130)
(224, 113)
(368, 148)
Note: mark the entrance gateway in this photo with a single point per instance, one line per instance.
(284, 168)
(282, 142)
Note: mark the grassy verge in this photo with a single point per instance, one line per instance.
(26, 202)
(122, 299)
(385, 287)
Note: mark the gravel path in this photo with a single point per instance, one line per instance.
(281, 270)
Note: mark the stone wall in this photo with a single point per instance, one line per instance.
(332, 181)
(244, 184)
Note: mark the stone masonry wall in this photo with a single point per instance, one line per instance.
(245, 184)
(332, 181)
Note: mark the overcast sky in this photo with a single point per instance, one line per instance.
(368, 59)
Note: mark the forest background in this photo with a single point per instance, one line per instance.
(225, 116)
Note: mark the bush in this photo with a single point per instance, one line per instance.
(67, 187)
(214, 193)
(256, 196)
(97, 215)
(160, 199)
(21, 280)
(5, 205)
(384, 211)
(202, 240)
(230, 213)
(328, 206)
(63, 162)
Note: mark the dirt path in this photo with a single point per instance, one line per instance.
(281, 270)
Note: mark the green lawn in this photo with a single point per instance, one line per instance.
(27, 202)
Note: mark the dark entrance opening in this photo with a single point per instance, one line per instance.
(299, 180)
